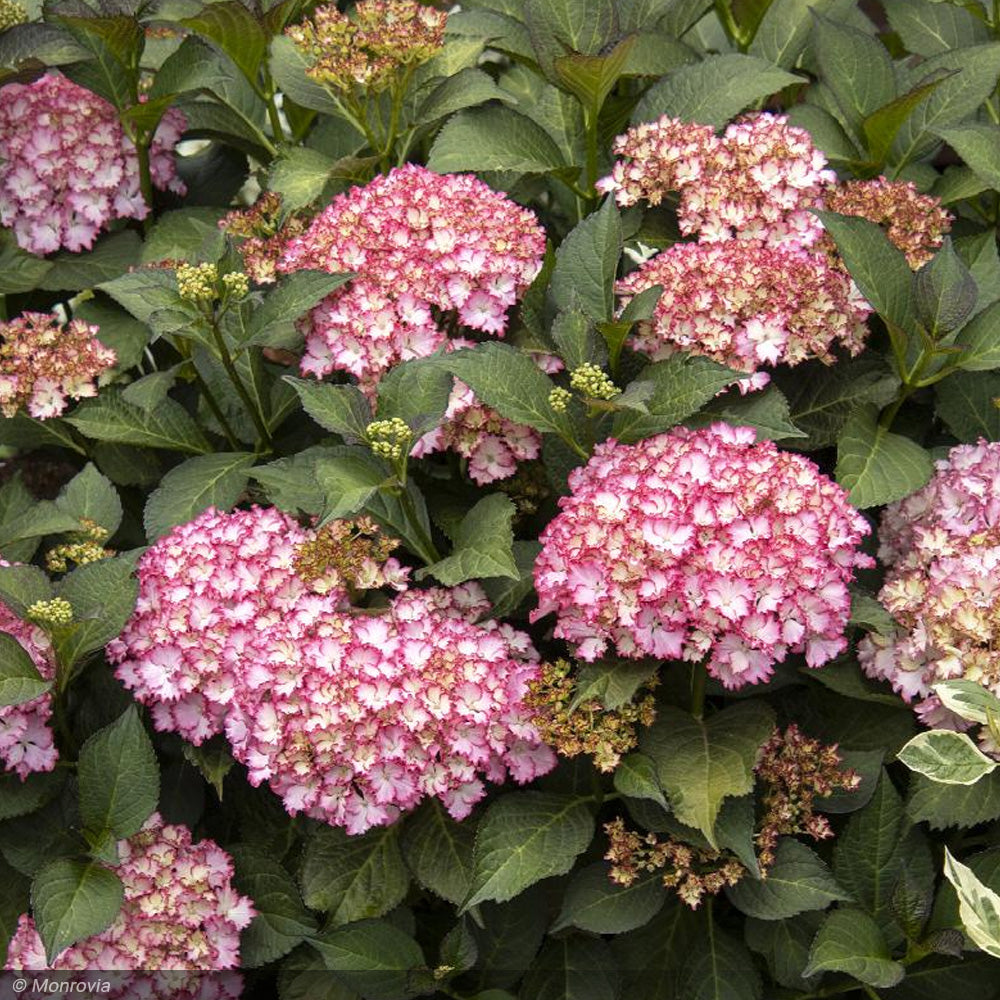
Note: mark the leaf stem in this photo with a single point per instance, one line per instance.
(213, 405)
(142, 143)
(274, 116)
(226, 358)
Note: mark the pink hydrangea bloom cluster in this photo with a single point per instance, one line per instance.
(43, 364)
(747, 305)
(942, 549)
(753, 290)
(180, 912)
(492, 444)
(702, 543)
(757, 181)
(418, 242)
(26, 743)
(350, 716)
(66, 167)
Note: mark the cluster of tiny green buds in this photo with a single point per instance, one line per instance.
(559, 399)
(197, 282)
(389, 438)
(52, 613)
(593, 382)
(11, 13)
(85, 546)
(237, 284)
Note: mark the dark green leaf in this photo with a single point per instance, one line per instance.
(20, 680)
(71, 900)
(594, 903)
(416, 392)
(586, 264)
(273, 324)
(850, 941)
(483, 545)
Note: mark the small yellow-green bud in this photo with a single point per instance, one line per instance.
(237, 284)
(591, 381)
(389, 438)
(11, 13)
(197, 282)
(55, 612)
(559, 399)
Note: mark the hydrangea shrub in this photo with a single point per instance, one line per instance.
(500, 501)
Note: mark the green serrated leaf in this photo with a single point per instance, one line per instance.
(417, 392)
(850, 941)
(594, 903)
(71, 900)
(876, 466)
(20, 680)
(282, 922)
(438, 851)
(483, 545)
(714, 90)
(273, 323)
(119, 778)
(494, 138)
(523, 838)
(700, 763)
(796, 882)
(351, 878)
(586, 264)
(342, 409)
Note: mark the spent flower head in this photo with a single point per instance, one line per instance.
(263, 230)
(916, 223)
(701, 544)
(43, 364)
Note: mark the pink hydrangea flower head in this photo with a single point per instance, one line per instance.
(43, 365)
(418, 242)
(916, 223)
(746, 305)
(66, 167)
(26, 743)
(942, 549)
(757, 181)
(378, 712)
(350, 716)
(697, 544)
(180, 912)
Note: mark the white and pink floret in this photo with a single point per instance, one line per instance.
(701, 544)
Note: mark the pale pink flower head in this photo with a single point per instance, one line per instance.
(180, 912)
(43, 365)
(746, 305)
(702, 544)
(757, 181)
(26, 743)
(419, 242)
(66, 167)
(942, 549)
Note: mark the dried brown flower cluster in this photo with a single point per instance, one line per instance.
(795, 771)
(605, 734)
(86, 546)
(353, 555)
(368, 49)
(916, 223)
(265, 232)
(693, 872)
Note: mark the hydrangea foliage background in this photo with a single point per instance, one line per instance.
(501, 501)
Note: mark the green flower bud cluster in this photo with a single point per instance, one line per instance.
(389, 438)
(51, 614)
(11, 13)
(237, 284)
(559, 399)
(197, 282)
(592, 381)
